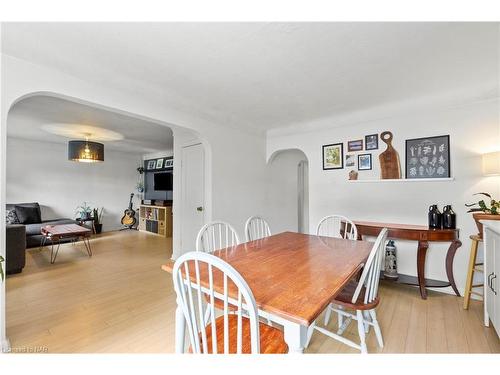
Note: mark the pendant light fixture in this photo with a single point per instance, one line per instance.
(85, 151)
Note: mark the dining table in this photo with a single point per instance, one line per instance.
(293, 278)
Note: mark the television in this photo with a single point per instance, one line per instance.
(163, 181)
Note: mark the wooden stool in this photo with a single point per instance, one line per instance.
(473, 267)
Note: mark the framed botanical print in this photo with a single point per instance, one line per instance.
(428, 157)
(333, 156)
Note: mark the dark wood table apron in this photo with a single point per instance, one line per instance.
(423, 235)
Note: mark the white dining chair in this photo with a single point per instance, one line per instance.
(194, 274)
(362, 297)
(216, 235)
(256, 227)
(337, 226)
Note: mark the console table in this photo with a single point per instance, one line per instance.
(423, 235)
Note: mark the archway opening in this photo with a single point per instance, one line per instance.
(287, 198)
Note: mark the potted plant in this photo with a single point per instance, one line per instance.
(84, 211)
(483, 211)
(98, 220)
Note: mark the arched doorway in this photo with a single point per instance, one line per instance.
(287, 197)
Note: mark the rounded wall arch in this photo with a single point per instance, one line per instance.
(287, 197)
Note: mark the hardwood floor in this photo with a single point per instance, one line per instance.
(120, 301)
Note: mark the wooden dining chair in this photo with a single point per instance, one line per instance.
(337, 226)
(216, 235)
(194, 274)
(256, 227)
(362, 297)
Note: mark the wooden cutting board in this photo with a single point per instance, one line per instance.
(389, 159)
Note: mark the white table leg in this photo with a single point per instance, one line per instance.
(180, 330)
(295, 337)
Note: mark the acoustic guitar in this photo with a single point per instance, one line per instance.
(128, 218)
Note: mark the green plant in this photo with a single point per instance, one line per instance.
(1, 267)
(493, 208)
(97, 215)
(83, 210)
(140, 186)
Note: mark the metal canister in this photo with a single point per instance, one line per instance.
(391, 265)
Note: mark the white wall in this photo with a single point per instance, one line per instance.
(281, 200)
(474, 129)
(41, 172)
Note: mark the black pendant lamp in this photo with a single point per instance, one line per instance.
(85, 151)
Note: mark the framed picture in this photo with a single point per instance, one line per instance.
(364, 162)
(371, 142)
(428, 157)
(159, 163)
(350, 160)
(333, 156)
(151, 164)
(355, 145)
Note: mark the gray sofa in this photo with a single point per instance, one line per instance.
(33, 230)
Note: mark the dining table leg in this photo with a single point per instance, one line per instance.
(295, 337)
(180, 330)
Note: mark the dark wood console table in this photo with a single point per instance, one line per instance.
(423, 235)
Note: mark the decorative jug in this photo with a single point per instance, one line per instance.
(435, 217)
(449, 218)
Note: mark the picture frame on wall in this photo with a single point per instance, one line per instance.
(428, 157)
(159, 163)
(356, 145)
(333, 156)
(371, 142)
(350, 160)
(364, 162)
(151, 164)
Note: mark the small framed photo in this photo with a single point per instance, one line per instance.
(364, 162)
(355, 145)
(371, 142)
(151, 164)
(333, 156)
(350, 160)
(159, 163)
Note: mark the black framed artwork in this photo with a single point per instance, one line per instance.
(151, 164)
(333, 156)
(428, 157)
(364, 162)
(371, 142)
(356, 145)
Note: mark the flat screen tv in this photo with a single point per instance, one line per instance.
(163, 181)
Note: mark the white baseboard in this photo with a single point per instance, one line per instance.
(5, 346)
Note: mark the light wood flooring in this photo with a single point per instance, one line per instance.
(121, 301)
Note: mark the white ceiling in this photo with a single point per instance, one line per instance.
(268, 75)
(50, 119)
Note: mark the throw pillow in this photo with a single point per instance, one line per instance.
(11, 217)
(28, 215)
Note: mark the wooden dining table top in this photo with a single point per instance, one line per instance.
(293, 275)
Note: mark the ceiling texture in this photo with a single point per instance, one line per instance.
(50, 119)
(261, 76)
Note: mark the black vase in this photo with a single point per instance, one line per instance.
(435, 217)
(449, 218)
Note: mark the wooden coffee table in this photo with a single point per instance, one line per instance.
(55, 233)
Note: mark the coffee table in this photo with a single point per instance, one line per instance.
(55, 233)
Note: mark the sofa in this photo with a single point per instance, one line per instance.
(23, 227)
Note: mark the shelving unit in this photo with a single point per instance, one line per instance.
(156, 220)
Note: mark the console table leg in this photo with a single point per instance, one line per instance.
(422, 251)
(450, 256)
